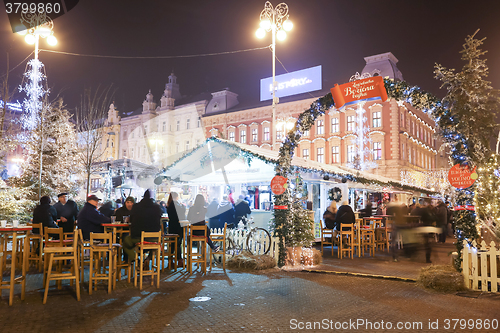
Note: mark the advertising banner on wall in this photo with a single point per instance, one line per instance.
(371, 87)
(293, 83)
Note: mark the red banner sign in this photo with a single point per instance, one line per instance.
(461, 176)
(360, 89)
(278, 185)
(466, 207)
(280, 207)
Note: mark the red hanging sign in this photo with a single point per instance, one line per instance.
(278, 185)
(360, 89)
(280, 207)
(462, 176)
(466, 207)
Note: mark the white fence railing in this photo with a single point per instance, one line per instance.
(481, 266)
(239, 237)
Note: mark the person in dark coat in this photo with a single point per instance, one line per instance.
(196, 216)
(145, 216)
(107, 209)
(225, 212)
(90, 219)
(241, 209)
(43, 214)
(67, 212)
(345, 215)
(176, 212)
(329, 215)
(367, 211)
(213, 218)
(125, 210)
(442, 220)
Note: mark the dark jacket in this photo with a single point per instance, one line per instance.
(329, 219)
(107, 209)
(91, 220)
(213, 218)
(345, 214)
(121, 212)
(145, 216)
(196, 216)
(441, 215)
(225, 211)
(69, 211)
(176, 213)
(43, 214)
(241, 209)
(367, 211)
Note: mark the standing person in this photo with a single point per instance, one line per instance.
(90, 219)
(67, 212)
(125, 210)
(329, 215)
(213, 219)
(107, 209)
(367, 211)
(43, 214)
(145, 216)
(428, 218)
(176, 212)
(241, 209)
(225, 211)
(196, 216)
(442, 220)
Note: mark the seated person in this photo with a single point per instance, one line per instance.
(145, 216)
(196, 216)
(345, 215)
(367, 211)
(329, 215)
(90, 219)
(43, 214)
(125, 210)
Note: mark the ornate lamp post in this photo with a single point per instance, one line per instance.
(39, 25)
(274, 20)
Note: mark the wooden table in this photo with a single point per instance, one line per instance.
(18, 231)
(113, 227)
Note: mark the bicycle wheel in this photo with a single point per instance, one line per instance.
(231, 248)
(258, 241)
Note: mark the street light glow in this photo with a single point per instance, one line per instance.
(52, 40)
(287, 25)
(265, 24)
(30, 39)
(281, 35)
(260, 33)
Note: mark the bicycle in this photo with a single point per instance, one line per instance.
(258, 240)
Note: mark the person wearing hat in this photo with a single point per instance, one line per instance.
(125, 210)
(90, 219)
(43, 214)
(67, 212)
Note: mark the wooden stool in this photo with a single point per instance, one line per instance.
(367, 238)
(150, 241)
(381, 239)
(60, 254)
(83, 253)
(169, 251)
(220, 238)
(54, 237)
(346, 240)
(98, 254)
(200, 256)
(326, 234)
(36, 245)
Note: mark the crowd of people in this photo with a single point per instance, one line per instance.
(143, 216)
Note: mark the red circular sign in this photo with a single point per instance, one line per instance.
(461, 176)
(278, 185)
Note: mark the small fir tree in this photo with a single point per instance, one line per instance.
(487, 199)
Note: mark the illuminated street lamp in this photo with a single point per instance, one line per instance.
(274, 20)
(38, 25)
(156, 154)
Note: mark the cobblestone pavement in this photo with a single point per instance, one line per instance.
(270, 301)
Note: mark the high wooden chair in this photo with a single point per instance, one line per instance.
(326, 234)
(150, 242)
(60, 254)
(200, 256)
(54, 237)
(168, 249)
(36, 245)
(381, 235)
(219, 238)
(102, 260)
(83, 254)
(346, 240)
(367, 239)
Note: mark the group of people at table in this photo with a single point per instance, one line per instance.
(145, 215)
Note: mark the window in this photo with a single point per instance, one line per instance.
(187, 145)
(335, 125)
(403, 151)
(197, 142)
(198, 123)
(377, 151)
(178, 125)
(124, 153)
(143, 151)
(409, 155)
(243, 136)
(320, 157)
(163, 149)
(145, 129)
(266, 133)
(279, 134)
(402, 120)
(335, 154)
(231, 136)
(306, 133)
(320, 127)
(254, 135)
(164, 127)
(351, 153)
(131, 152)
(350, 123)
(377, 119)
(305, 153)
(188, 121)
(177, 147)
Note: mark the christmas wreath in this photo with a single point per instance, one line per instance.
(335, 194)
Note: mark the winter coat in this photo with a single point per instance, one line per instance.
(345, 215)
(241, 209)
(329, 219)
(441, 215)
(145, 216)
(43, 214)
(69, 211)
(121, 212)
(176, 213)
(225, 211)
(91, 220)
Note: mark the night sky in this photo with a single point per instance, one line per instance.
(336, 34)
